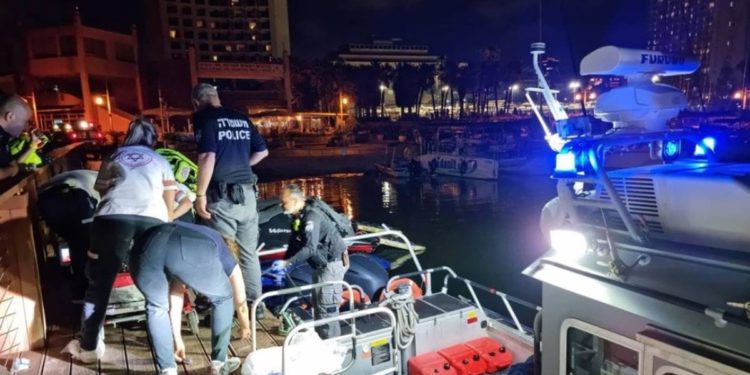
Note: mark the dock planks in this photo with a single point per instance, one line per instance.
(129, 352)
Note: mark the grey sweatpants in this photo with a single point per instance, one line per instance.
(326, 299)
(239, 223)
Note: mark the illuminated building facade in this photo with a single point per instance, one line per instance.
(240, 46)
(713, 31)
(391, 52)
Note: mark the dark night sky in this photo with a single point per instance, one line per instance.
(458, 29)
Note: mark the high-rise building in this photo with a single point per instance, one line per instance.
(221, 30)
(240, 46)
(716, 32)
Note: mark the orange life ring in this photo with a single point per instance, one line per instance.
(416, 291)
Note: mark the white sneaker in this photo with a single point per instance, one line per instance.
(86, 356)
(225, 368)
(169, 371)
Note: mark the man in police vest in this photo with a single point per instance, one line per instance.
(316, 240)
(228, 146)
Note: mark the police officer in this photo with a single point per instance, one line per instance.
(315, 239)
(228, 146)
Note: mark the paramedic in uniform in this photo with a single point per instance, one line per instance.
(137, 189)
(315, 239)
(228, 146)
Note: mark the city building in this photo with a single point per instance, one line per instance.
(78, 73)
(716, 33)
(392, 52)
(240, 46)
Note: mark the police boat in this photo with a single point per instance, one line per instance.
(649, 266)
(647, 272)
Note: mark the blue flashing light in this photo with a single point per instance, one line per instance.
(672, 148)
(565, 162)
(707, 143)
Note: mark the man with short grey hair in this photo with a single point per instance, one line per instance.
(228, 146)
(316, 240)
(14, 116)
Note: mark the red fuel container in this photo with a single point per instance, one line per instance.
(464, 359)
(492, 352)
(430, 364)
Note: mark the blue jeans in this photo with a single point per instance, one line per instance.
(169, 251)
(112, 237)
(239, 222)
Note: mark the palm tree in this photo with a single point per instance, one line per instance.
(406, 86)
(426, 82)
(448, 77)
(512, 73)
(466, 80)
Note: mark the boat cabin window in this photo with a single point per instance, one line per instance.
(592, 350)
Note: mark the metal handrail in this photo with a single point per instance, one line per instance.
(388, 232)
(291, 300)
(503, 296)
(470, 285)
(282, 292)
(353, 315)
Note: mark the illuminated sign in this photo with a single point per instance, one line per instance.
(658, 58)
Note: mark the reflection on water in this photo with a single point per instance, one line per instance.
(337, 190)
(485, 230)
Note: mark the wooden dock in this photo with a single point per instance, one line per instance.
(129, 352)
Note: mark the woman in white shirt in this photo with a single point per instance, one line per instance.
(138, 188)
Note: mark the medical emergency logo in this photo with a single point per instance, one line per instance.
(134, 159)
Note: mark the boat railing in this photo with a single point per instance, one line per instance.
(471, 286)
(352, 315)
(291, 300)
(385, 233)
(396, 233)
(293, 290)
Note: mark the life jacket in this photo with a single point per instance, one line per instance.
(20, 144)
(185, 170)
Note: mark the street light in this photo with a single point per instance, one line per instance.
(382, 99)
(446, 88)
(737, 95)
(509, 100)
(575, 86)
(345, 100)
(98, 100)
(592, 96)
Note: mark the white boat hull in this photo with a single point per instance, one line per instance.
(470, 167)
(398, 172)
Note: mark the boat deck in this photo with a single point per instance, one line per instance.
(128, 350)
